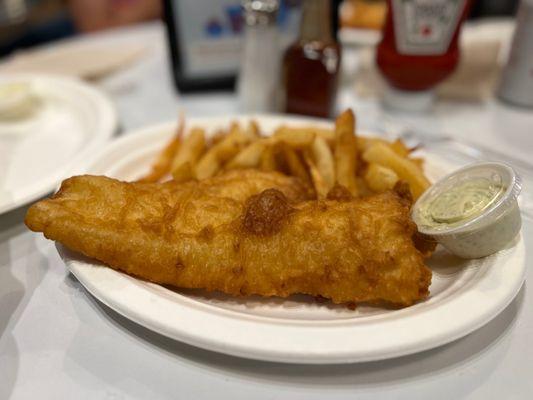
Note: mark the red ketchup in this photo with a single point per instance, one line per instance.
(419, 49)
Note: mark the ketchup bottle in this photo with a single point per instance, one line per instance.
(419, 49)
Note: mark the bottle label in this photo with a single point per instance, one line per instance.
(425, 27)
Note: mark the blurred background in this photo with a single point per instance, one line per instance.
(27, 23)
(310, 57)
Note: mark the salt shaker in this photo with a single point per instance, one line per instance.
(258, 84)
(517, 81)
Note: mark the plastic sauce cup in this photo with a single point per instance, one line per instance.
(484, 232)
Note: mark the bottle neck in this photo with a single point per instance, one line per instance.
(316, 21)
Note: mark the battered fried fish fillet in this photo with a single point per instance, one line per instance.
(213, 236)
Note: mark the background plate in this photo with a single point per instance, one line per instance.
(72, 123)
(464, 294)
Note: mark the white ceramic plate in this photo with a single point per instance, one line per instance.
(464, 294)
(73, 121)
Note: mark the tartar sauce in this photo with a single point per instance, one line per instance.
(473, 212)
(460, 203)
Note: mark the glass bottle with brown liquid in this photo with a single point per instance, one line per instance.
(311, 64)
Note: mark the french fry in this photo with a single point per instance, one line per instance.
(235, 129)
(189, 152)
(319, 160)
(218, 136)
(231, 145)
(295, 165)
(183, 173)
(400, 148)
(253, 129)
(302, 134)
(162, 164)
(251, 132)
(249, 157)
(268, 159)
(325, 133)
(345, 154)
(380, 178)
(321, 188)
(207, 166)
(418, 161)
(405, 169)
(324, 161)
(212, 161)
(365, 142)
(294, 137)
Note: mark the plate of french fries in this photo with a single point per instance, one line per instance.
(319, 154)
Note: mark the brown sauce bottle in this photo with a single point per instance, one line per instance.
(311, 64)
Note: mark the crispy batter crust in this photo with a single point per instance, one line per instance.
(207, 235)
(266, 212)
(339, 193)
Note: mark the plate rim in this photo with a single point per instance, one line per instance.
(217, 343)
(108, 124)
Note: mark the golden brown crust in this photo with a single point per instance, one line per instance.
(339, 193)
(192, 236)
(266, 212)
(425, 244)
(403, 190)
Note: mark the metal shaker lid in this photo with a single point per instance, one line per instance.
(260, 12)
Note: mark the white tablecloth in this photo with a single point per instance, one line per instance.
(57, 342)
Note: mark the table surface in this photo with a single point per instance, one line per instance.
(56, 341)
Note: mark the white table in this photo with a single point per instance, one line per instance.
(57, 342)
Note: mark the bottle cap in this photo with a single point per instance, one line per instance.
(411, 101)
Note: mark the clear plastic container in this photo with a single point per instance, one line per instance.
(486, 229)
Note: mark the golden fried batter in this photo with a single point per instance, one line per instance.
(230, 234)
